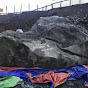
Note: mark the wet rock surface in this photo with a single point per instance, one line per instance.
(67, 84)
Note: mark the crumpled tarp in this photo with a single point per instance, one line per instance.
(78, 72)
(10, 81)
(73, 73)
(55, 78)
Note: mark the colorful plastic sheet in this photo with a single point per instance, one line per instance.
(10, 81)
(30, 75)
(55, 78)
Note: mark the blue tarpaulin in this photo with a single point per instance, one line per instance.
(76, 72)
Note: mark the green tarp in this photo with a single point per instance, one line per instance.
(10, 81)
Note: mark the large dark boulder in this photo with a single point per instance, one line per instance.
(64, 45)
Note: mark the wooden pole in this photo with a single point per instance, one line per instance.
(20, 8)
(70, 2)
(42, 8)
(51, 6)
(29, 7)
(6, 9)
(37, 7)
(60, 3)
(79, 1)
(14, 8)
(46, 8)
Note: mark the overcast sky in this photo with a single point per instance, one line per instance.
(33, 4)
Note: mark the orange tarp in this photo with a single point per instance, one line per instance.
(85, 66)
(10, 68)
(15, 68)
(56, 78)
(86, 85)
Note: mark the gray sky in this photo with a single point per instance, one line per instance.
(33, 4)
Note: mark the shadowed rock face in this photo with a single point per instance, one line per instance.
(84, 22)
(44, 24)
(16, 54)
(13, 53)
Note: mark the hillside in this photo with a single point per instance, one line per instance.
(25, 21)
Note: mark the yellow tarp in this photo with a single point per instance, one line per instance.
(1, 10)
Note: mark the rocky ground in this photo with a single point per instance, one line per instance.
(49, 42)
(68, 84)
